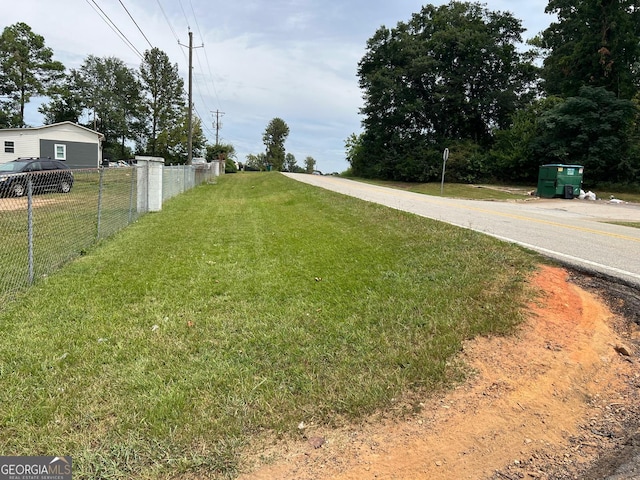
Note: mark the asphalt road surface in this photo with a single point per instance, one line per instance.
(573, 232)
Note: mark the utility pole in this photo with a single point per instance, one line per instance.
(218, 124)
(190, 121)
(190, 93)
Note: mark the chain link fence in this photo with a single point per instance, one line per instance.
(45, 228)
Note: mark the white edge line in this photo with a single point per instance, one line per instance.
(576, 260)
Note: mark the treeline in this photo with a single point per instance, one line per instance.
(460, 77)
(276, 157)
(142, 111)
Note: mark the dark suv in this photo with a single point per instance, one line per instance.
(45, 175)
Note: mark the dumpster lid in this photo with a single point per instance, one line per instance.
(562, 165)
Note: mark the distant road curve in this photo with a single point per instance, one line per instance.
(573, 232)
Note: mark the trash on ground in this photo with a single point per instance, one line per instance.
(587, 195)
(613, 199)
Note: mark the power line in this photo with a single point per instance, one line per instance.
(195, 19)
(213, 82)
(128, 42)
(204, 125)
(136, 24)
(113, 26)
(205, 56)
(168, 22)
(184, 13)
(215, 95)
(210, 76)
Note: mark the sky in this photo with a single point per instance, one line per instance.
(253, 60)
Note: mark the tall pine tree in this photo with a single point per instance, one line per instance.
(164, 97)
(27, 69)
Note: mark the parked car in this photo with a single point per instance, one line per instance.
(45, 175)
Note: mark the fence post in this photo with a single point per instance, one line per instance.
(99, 203)
(30, 228)
(151, 176)
(133, 184)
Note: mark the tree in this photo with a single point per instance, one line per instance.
(511, 156)
(452, 72)
(274, 137)
(9, 114)
(112, 91)
(592, 129)
(353, 150)
(256, 162)
(66, 103)
(290, 162)
(164, 97)
(593, 43)
(220, 152)
(27, 68)
(172, 144)
(309, 164)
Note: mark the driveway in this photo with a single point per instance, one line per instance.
(573, 232)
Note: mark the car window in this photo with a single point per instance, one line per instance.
(11, 167)
(48, 165)
(33, 167)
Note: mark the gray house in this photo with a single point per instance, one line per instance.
(77, 146)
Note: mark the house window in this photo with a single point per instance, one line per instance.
(9, 147)
(61, 152)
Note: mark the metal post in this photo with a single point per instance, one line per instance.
(445, 157)
(30, 228)
(133, 183)
(99, 203)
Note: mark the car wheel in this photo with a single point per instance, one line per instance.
(18, 190)
(65, 186)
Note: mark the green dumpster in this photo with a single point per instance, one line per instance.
(563, 181)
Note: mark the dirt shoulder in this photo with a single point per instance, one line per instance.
(557, 400)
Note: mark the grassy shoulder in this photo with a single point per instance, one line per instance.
(627, 224)
(243, 307)
(457, 190)
(492, 192)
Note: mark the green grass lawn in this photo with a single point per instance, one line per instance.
(492, 192)
(626, 195)
(458, 190)
(240, 310)
(63, 225)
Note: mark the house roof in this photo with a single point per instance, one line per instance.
(53, 125)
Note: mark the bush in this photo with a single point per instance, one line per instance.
(467, 163)
(230, 166)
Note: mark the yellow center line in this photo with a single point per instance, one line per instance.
(429, 199)
(555, 224)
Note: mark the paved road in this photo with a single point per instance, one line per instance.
(573, 232)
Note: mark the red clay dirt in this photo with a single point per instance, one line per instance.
(531, 395)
